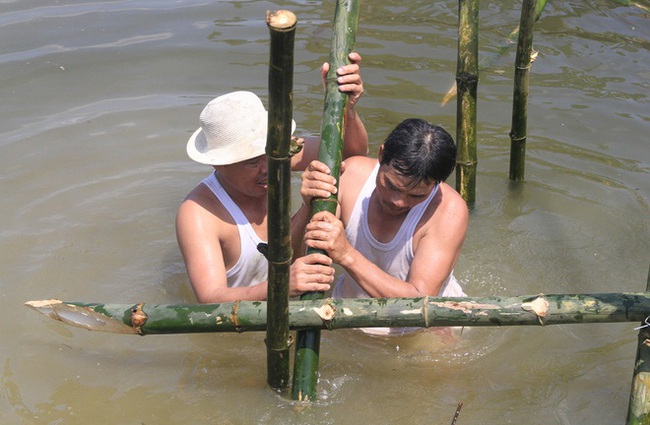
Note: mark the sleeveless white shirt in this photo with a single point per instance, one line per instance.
(251, 267)
(393, 257)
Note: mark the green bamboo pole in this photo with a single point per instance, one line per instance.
(345, 313)
(282, 26)
(346, 17)
(520, 97)
(500, 51)
(467, 83)
(638, 412)
(510, 40)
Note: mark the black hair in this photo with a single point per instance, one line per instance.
(420, 150)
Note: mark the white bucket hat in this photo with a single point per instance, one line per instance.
(233, 129)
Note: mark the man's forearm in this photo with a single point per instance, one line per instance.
(298, 222)
(355, 140)
(376, 282)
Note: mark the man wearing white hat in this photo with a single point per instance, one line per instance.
(220, 223)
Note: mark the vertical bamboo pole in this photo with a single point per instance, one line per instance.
(638, 412)
(282, 26)
(520, 96)
(346, 18)
(467, 83)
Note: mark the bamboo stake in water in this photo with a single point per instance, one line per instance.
(282, 26)
(346, 17)
(500, 51)
(520, 97)
(467, 83)
(638, 412)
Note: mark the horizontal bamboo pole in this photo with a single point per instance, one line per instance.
(246, 316)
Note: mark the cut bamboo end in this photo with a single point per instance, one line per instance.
(79, 317)
(281, 20)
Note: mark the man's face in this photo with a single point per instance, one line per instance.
(248, 177)
(397, 194)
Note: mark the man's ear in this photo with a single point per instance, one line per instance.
(381, 153)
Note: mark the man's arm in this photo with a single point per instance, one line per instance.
(355, 139)
(197, 233)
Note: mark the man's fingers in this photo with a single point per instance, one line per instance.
(354, 57)
(323, 218)
(317, 258)
(318, 166)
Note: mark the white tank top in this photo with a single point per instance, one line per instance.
(251, 267)
(393, 257)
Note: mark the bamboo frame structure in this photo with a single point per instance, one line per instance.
(282, 27)
(518, 133)
(467, 83)
(278, 315)
(346, 17)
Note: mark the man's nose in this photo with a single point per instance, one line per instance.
(398, 199)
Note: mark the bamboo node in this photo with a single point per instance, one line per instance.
(467, 78)
(514, 138)
(138, 317)
(234, 316)
(288, 345)
(539, 306)
(326, 312)
(296, 145)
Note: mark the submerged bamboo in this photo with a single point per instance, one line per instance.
(638, 412)
(467, 83)
(249, 316)
(282, 26)
(520, 97)
(346, 17)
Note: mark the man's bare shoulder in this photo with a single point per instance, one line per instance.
(357, 170)
(357, 167)
(450, 210)
(452, 199)
(201, 203)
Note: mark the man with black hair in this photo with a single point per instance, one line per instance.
(399, 227)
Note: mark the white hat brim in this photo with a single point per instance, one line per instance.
(197, 149)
